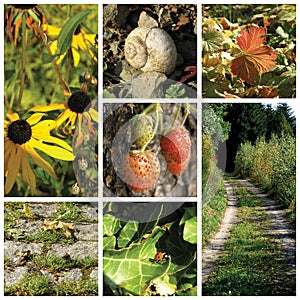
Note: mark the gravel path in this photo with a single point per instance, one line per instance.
(281, 229)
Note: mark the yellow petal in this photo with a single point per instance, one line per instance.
(6, 123)
(13, 117)
(53, 151)
(94, 114)
(13, 169)
(42, 129)
(50, 107)
(91, 38)
(27, 173)
(57, 141)
(37, 159)
(35, 118)
(51, 30)
(63, 117)
(76, 57)
(81, 42)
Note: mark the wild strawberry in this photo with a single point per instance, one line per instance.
(140, 170)
(141, 130)
(176, 168)
(176, 149)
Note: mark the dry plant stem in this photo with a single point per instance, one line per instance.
(62, 81)
(23, 73)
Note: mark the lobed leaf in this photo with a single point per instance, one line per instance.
(255, 58)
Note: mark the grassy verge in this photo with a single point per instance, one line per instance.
(252, 263)
(212, 214)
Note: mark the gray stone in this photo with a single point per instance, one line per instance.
(29, 227)
(146, 21)
(94, 274)
(86, 232)
(125, 71)
(79, 250)
(71, 275)
(11, 249)
(148, 85)
(43, 209)
(89, 211)
(14, 276)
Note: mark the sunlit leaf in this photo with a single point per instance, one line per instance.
(212, 40)
(255, 58)
(65, 36)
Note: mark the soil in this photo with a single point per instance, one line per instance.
(179, 20)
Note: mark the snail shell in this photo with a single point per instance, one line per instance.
(151, 49)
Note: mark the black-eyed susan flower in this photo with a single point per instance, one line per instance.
(77, 107)
(80, 41)
(21, 138)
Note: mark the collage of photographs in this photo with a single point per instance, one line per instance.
(149, 149)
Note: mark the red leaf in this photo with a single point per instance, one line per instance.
(255, 57)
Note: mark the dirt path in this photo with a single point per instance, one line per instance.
(280, 229)
(212, 251)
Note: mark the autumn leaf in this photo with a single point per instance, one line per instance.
(58, 225)
(255, 57)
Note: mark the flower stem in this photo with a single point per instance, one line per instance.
(23, 71)
(60, 77)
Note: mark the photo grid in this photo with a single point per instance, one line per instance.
(125, 177)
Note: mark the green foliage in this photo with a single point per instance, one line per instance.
(130, 247)
(272, 165)
(212, 214)
(175, 91)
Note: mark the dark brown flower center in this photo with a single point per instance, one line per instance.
(79, 101)
(19, 132)
(24, 6)
(77, 30)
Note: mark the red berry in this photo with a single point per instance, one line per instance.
(140, 170)
(176, 149)
(176, 168)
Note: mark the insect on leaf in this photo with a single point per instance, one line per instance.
(255, 57)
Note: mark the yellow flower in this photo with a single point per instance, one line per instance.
(81, 40)
(78, 107)
(21, 138)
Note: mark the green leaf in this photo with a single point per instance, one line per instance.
(127, 233)
(190, 231)
(65, 36)
(212, 40)
(109, 242)
(133, 268)
(111, 225)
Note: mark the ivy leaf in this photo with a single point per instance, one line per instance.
(255, 57)
(65, 36)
